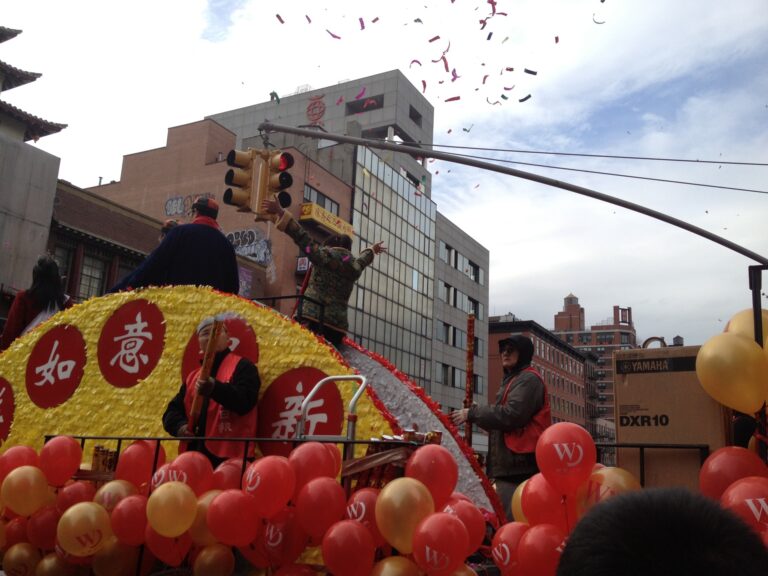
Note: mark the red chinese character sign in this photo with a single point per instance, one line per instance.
(242, 341)
(280, 409)
(131, 343)
(7, 409)
(55, 366)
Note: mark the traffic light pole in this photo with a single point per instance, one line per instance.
(414, 151)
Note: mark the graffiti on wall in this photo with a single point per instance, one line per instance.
(251, 243)
(182, 205)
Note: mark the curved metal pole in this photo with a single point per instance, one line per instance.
(405, 149)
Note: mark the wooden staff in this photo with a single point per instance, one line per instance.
(205, 372)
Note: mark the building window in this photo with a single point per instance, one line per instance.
(91, 278)
(414, 115)
(316, 197)
(365, 105)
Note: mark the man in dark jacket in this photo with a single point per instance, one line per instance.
(520, 412)
(197, 253)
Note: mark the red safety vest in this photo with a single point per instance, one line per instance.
(523, 440)
(220, 421)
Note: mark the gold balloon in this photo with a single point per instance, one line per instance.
(112, 492)
(604, 484)
(395, 566)
(115, 559)
(214, 560)
(199, 531)
(743, 323)
(21, 558)
(733, 370)
(517, 504)
(171, 509)
(25, 490)
(53, 565)
(84, 529)
(401, 505)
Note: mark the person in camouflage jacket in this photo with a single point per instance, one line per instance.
(332, 276)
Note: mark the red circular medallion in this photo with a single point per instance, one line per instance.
(55, 366)
(131, 343)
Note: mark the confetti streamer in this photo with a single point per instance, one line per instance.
(362, 24)
(489, 35)
(595, 20)
(434, 38)
(360, 94)
(483, 22)
(333, 35)
(476, 186)
(491, 103)
(423, 86)
(468, 129)
(508, 88)
(418, 21)
(509, 69)
(414, 61)
(504, 97)
(493, 6)
(505, 39)
(375, 20)
(485, 78)
(531, 72)
(309, 20)
(453, 98)
(369, 102)
(340, 100)
(557, 39)
(525, 98)
(454, 76)
(450, 130)
(280, 18)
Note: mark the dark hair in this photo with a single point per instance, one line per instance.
(46, 289)
(338, 241)
(524, 347)
(206, 207)
(662, 531)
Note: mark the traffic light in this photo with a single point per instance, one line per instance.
(244, 177)
(276, 178)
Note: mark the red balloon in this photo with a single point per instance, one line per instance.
(17, 456)
(16, 531)
(361, 506)
(504, 547)
(459, 496)
(539, 550)
(542, 504)
(295, 570)
(129, 520)
(726, 465)
(256, 552)
(747, 497)
(60, 458)
(227, 475)
(74, 493)
(320, 504)
(473, 521)
(436, 468)
(136, 463)
(348, 549)
(172, 551)
(232, 518)
(284, 540)
(440, 543)
(41, 527)
(309, 461)
(195, 470)
(271, 481)
(333, 450)
(566, 454)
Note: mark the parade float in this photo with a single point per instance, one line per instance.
(357, 471)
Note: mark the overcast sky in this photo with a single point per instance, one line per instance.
(685, 79)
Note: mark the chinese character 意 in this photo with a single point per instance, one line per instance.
(130, 356)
